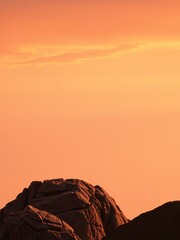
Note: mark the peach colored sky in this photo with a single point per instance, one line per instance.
(90, 90)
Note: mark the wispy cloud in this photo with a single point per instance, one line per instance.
(53, 54)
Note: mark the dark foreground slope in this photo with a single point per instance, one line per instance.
(60, 209)
(162, 223)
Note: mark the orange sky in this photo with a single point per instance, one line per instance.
(90, 90)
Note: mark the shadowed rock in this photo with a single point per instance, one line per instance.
(33, 224)
(89, 210)
(162, 223)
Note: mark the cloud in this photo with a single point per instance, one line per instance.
(53, 54)
(40, 55)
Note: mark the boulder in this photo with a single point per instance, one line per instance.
(88, 209)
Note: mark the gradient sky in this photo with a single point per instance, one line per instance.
(91, 90)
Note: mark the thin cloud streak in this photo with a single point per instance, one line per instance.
(55, 55)
(47, 55)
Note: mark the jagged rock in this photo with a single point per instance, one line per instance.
(162, 223)
(89, 210)
(33, 224)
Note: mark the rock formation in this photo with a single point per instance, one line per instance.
(60, 209)
(75, 210)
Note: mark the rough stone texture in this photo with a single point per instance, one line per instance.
(89, 210)
(33, 224)
(162, 223)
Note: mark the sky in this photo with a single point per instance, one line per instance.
(91, 90)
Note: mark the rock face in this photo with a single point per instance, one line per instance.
(162, 223)
(60, 209)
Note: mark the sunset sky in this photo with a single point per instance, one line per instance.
(91, 90)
